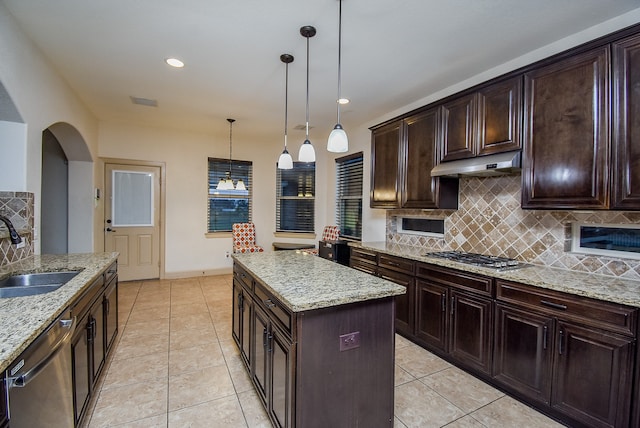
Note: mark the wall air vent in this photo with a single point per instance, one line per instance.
(144, 101)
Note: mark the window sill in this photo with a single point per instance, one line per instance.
(217, 235)
(299, 235)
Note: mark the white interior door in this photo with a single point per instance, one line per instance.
(132, 223)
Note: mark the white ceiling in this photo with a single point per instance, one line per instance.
(395, 52)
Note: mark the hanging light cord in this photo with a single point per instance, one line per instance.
(339, 58)
(230, 142)
(307, 132)
(286, 101)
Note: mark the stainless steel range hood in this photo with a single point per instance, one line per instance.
(482, 166)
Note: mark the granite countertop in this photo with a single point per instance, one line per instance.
(601, 287)
(22, 319)
(304, 282)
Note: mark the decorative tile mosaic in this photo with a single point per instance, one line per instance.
(18, 208)
(489, 220)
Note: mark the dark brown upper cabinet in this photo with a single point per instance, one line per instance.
(566, 133)
(420, 143)
(484, 122)
(626, 124)
(385, 166)
(403, 154)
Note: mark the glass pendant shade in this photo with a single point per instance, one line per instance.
(338, 141)
(307, 153)
(240, 185)
(285, 161)
(221, 184)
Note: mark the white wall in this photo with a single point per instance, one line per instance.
(188, 250)
(42, 98)
(13, 162)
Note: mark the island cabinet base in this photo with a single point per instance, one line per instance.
(345, 366)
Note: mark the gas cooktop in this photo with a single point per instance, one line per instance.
(499, 263)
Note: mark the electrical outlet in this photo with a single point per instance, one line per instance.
(349, 341)
(227, 254)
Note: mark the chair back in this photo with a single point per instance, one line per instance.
(330, 233)
(244, 235)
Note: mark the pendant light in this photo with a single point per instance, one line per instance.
(307, 153)
(338, 141)
(285, 161)
(227, 183)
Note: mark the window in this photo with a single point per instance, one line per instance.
(295, 198)
(225, 207)
(349, 195)
(615, 240)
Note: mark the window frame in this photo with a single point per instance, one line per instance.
(308, 195)
(216, 169)
(346, 167)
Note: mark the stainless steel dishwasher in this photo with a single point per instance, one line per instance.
(39, 384)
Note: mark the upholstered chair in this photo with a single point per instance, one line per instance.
(244, 238)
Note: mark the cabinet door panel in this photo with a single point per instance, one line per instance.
(500, 117)
(431, 321)
(80, 363)
(247, 313)
(626, 124)
(260, 355)
(236, 309)
(459, 130)
(592, 380)
(471, 330)
(405, 303)
(111, 313)
(566, 135)
(422, 138)
(281, 379)
(385, 166)
(523, 352)
(96, 316)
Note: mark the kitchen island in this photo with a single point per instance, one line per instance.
(317, 339)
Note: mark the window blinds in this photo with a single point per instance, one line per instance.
(295, 198)
(225, 207)
(349, 171)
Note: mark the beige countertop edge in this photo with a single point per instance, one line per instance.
(302, 298)
(596, 286)
(24, 318)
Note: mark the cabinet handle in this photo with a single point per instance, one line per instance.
(553, 305)
(240, 301)
(270, 342)
(560, 341)
(392, 263)
(89, 329)
(453, 305)
(269, 303)
(544, 337)
(444, 302)
(106, 305)
(264, 338)
(94, 328)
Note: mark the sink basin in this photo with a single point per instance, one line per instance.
(34, 283)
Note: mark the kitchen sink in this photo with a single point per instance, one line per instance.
(30, 284)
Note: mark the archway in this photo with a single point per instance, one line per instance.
(79, 202)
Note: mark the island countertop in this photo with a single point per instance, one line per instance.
(22, 319)
(304, 282)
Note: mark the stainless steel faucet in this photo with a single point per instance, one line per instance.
(15, 238)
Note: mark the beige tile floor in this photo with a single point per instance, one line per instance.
(176, 365)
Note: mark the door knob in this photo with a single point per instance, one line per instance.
(110, 230)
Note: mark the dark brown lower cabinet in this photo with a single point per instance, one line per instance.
(242, 311)
(97, 313)
(4, 415)
(405, 304)
(452, 320)
(572, 355)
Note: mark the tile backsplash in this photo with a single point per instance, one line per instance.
(17, 207)
(489, 220)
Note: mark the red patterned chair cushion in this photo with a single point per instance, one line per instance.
(330, 233)
(244, 238)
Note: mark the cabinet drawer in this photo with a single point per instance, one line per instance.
(273, 306)
(397, 277)
(462, 280)
(110, 272)
(82, 303)
(242, 276)
(596, 313)
(396, 263)
(363, 266)
(359, 253)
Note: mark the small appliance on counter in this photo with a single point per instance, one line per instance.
(337, 251)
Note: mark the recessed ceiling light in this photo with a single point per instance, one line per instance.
(343, 101)
(174, 62)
